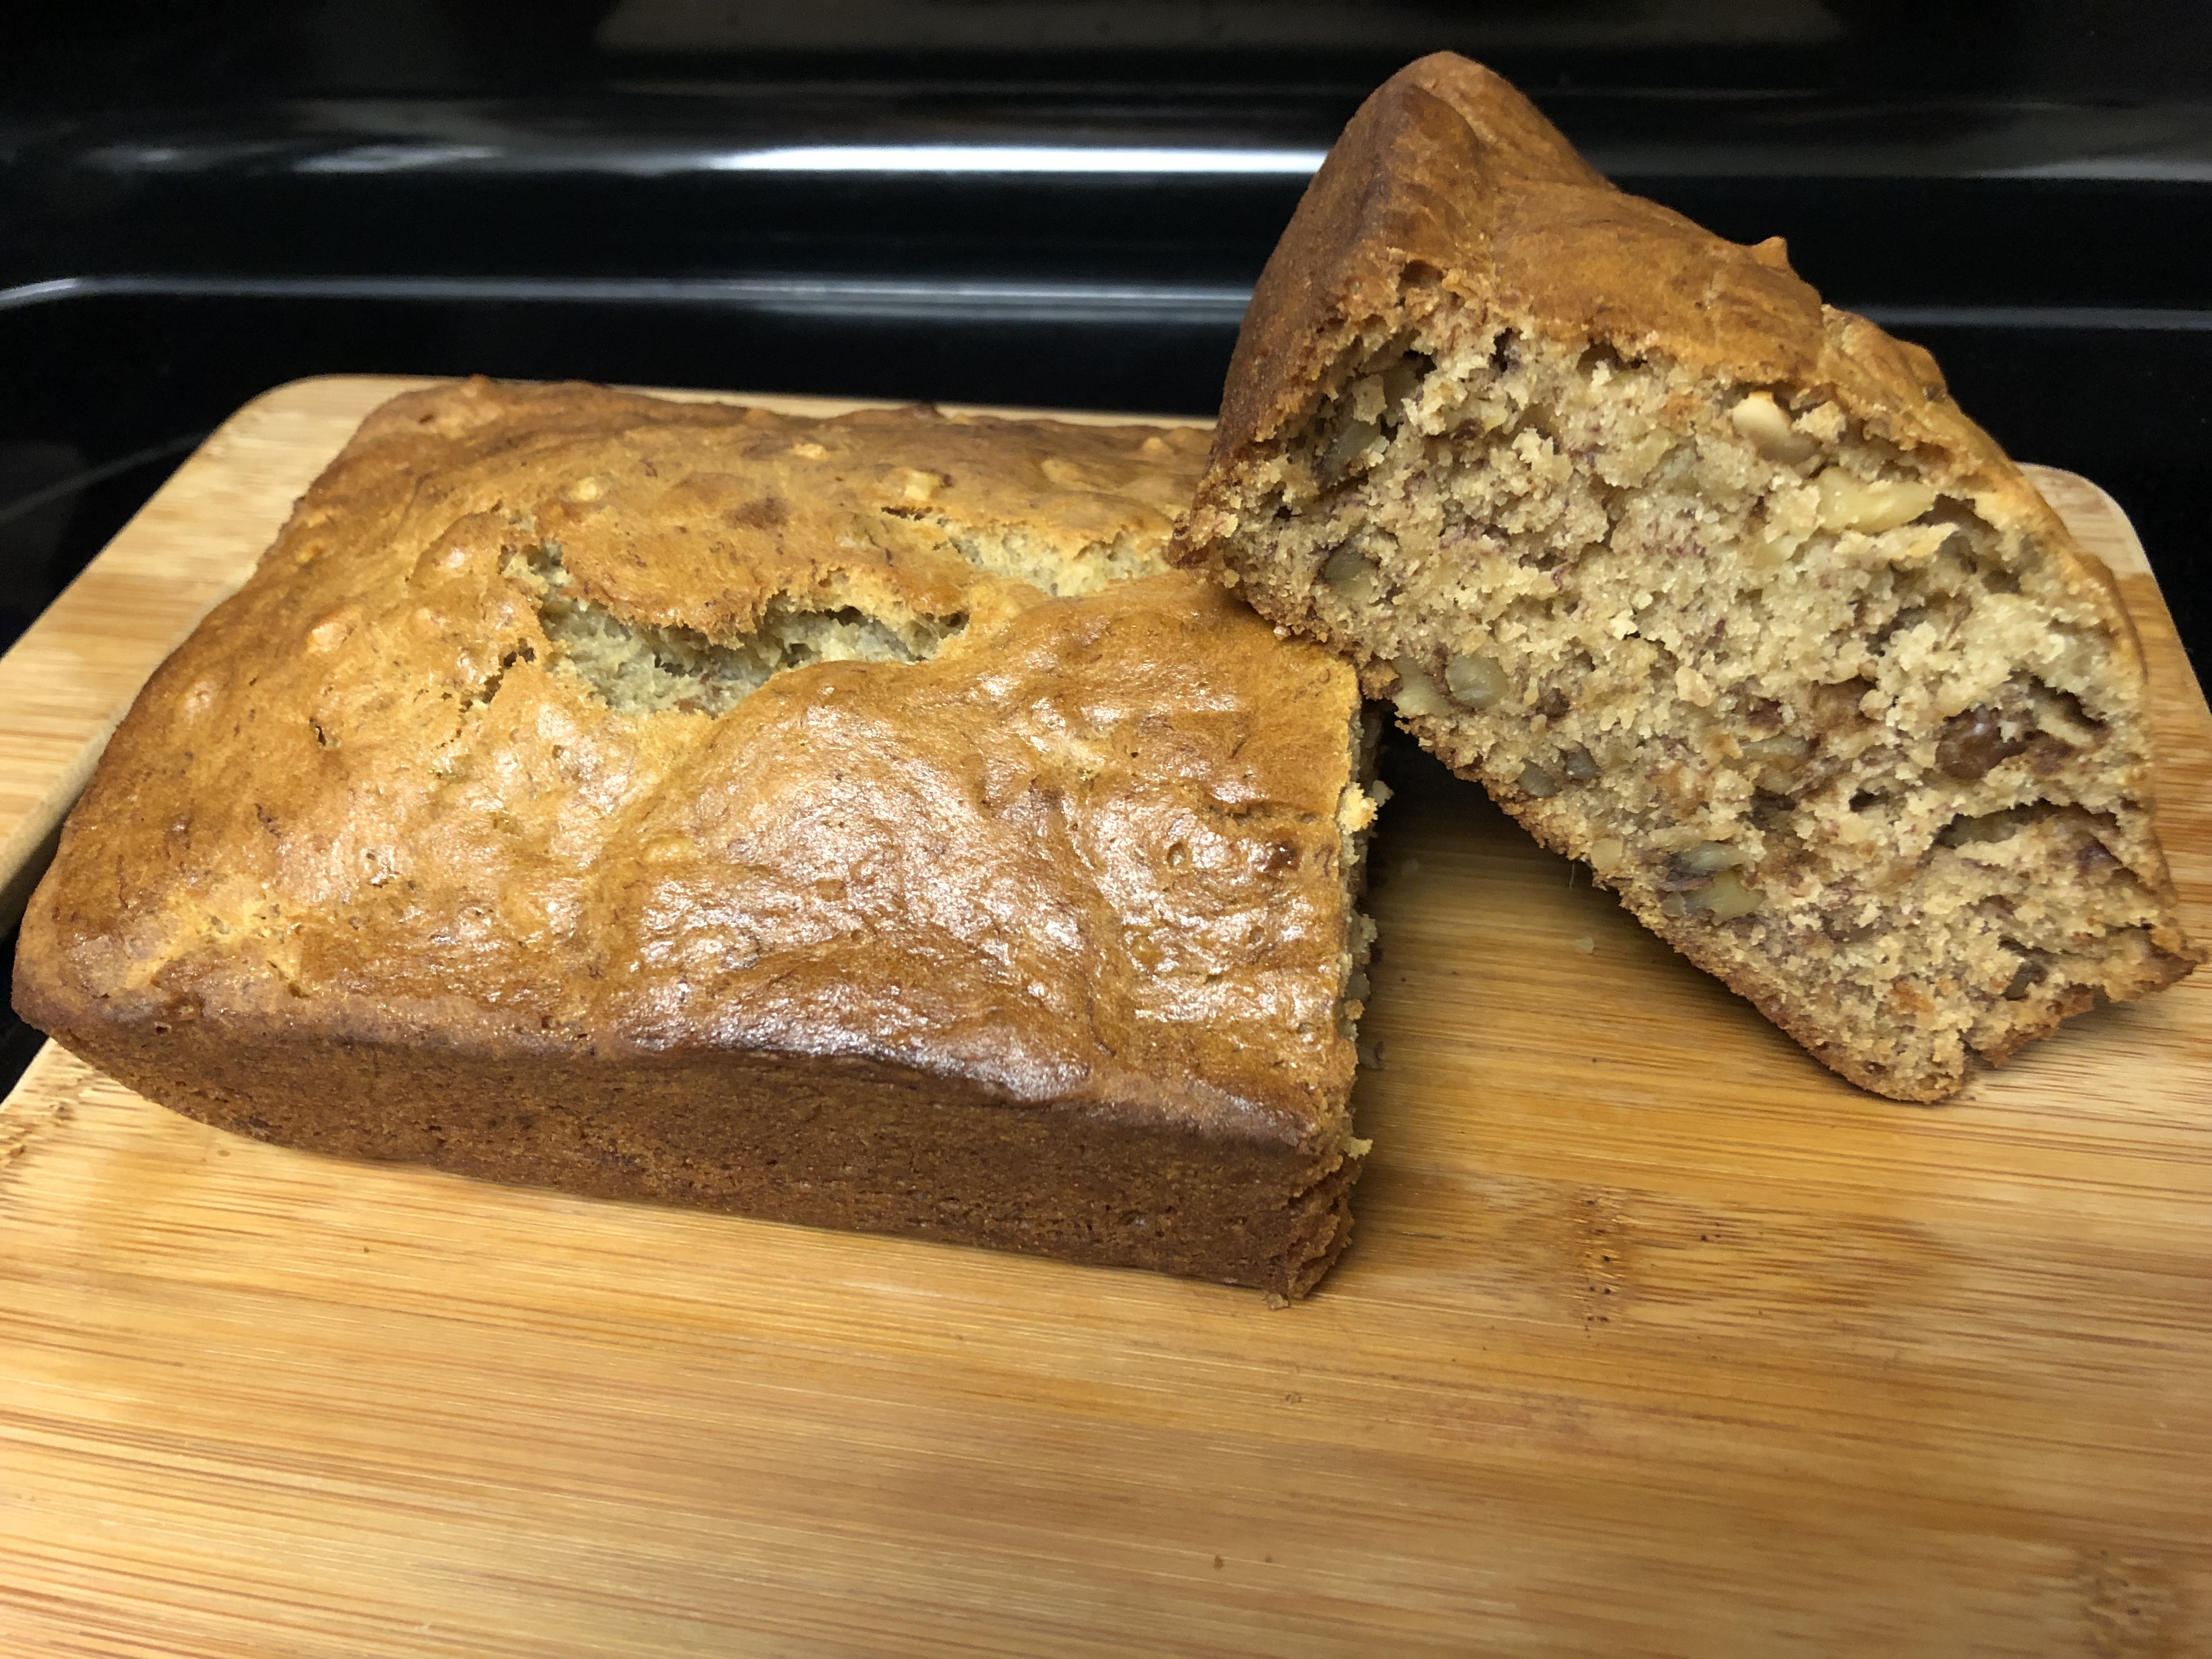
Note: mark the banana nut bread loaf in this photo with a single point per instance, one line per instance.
(1710, 585)
(852, 821)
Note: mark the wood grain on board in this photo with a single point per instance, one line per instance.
(1655, 1337)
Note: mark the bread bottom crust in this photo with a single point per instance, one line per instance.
(820, 1141)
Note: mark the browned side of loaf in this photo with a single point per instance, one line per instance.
(822, 1142)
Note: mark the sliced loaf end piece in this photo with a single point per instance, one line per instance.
(1710, 585)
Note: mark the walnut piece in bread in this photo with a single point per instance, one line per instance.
(850, 822)
(1710, 583)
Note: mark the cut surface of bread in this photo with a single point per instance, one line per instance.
(852, 821)
(1710, 585)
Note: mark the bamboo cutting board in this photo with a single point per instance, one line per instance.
(1656, 1339)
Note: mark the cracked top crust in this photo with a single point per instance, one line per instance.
(1082, 850)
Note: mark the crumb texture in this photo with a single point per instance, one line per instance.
(575, 757)
(638, 668)
(1825, 694)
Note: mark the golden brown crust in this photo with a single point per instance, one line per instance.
(1080, 869)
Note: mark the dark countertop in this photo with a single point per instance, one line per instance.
(872, 198)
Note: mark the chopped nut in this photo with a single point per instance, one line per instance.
(1607, 852)
(1417, 693)
(1474, 679)
(1723, 898)
(1401, 384)
(1350, 573)
(1577, 764)
(2025, 978)
(1729, 898)
(1766, 424)
(1349, 446)
(1706, 857)
(1775, 760)
(1972, 743)
(1771, 546)
(1770, 552)
(1538, 782)
(1851, 503)
(1786, 751)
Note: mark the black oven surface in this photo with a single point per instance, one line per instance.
(943, 200)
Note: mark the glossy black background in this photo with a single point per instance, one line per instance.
(199, 203)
